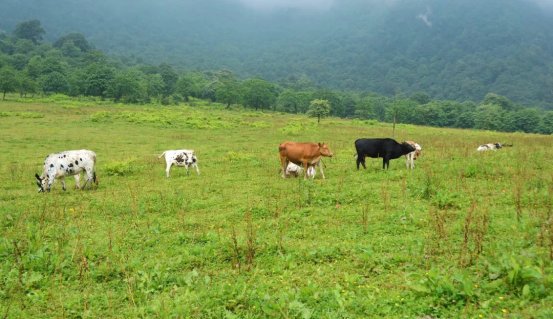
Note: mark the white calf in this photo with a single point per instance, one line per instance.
(181, 158)
(296, 170)
(68, 163)
(411, 157)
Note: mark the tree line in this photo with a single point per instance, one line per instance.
(72, 66)
(470, 48)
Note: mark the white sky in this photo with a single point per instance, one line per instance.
(277, 4)
(326, 4)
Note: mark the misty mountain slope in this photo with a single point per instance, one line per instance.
(446, 48)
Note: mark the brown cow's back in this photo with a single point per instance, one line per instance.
(298, 153)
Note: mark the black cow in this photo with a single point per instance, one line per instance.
(386, 148)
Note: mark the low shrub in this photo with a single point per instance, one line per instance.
(122, 168)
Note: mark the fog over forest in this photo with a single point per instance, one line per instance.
(445, 48)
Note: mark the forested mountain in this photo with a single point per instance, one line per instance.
(449, 49)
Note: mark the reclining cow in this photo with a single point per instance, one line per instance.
(67, 163)
(491, 147)
(303, 154)
(182, 158)
(386, 148)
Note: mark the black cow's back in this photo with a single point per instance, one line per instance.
(386, 148)
(374, 147)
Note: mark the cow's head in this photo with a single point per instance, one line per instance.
(498, 145)
(325, 151)
(407, 148)
(190, 159)
(418, 150)
(40, 182)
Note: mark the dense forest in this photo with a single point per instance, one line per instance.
(448, 49)
(70, 65)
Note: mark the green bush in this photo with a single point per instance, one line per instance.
(123, 168)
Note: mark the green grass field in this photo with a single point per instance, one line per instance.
(464, 235)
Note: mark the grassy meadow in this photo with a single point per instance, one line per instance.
(464, 235)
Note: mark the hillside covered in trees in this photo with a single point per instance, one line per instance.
(70, 65)
(447, 49)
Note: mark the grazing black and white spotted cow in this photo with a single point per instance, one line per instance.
(67, 163)
(492, 147)
(181, 158)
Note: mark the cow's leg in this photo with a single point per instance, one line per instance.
(197, 168)
(283, 164)
(78, 181)
(88, 179)
(321, 169)
(187, 171)
(51, 180)
(62, 183)
(358, 161)
(168, 168)
(361, 160)
(305, 167)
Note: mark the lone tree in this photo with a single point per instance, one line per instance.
(30, 30)
(319, 109)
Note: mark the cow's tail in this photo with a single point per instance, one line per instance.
(94, 177)
(160, 156)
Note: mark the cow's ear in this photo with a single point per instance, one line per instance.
(38, 177)
(320, 144)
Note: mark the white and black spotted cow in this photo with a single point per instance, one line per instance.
(183, 158)
(489, 147)
(67, 163)
(492, 147)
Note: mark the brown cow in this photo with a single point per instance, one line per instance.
(304, 154)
